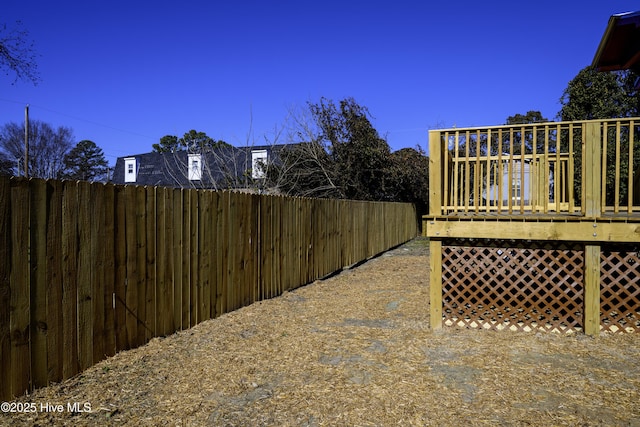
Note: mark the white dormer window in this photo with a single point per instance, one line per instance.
(195, 167)
(130, 169)
(258, 163)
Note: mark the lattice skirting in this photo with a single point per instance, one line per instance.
(620, 288)
(524, 285)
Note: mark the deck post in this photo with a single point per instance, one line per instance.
(435, 283)
(435, 246)
(592, 181)
(435, 173)
(592, 290)
(592, 169)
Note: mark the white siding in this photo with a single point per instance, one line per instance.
(258, 160)
(130, 169)
(195, 167)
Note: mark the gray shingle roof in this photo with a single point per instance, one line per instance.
(227, 167)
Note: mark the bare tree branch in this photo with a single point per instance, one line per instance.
(17, 54)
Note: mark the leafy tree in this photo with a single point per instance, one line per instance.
(168, 144)
(602, 95)
(359, 155)
(85, 162)
(192, 141)
(17, 55)
(410, 178)
(598, 95)
(530, 117)
(343, 156)
(200, 142)
(47, 148)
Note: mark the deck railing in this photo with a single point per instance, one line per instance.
(586, 168)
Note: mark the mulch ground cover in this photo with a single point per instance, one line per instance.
(352, 350)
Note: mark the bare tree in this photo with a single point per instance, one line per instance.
(47, 148)
(17, 54)
(305, 168)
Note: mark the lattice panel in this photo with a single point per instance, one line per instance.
(620, 288)
(519, 288)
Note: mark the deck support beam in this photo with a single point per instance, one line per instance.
(585, 230)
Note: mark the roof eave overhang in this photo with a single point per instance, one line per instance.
(619, 48)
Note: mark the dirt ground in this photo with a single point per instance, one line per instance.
(354, 349)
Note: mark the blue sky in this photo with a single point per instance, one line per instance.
(124, 74)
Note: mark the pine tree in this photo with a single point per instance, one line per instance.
(85, 162)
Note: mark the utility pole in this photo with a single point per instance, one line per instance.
(26, 141)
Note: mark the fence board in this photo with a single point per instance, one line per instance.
(141, 264)
(85, 291)
(164, 286)
(38, 281)
(308, 239)
(5, 286)
(219, 252)
(212, 242)
(194, 256)
(161, 255)
(19, 282)
(120, 257)
(70, 281)
(170, 324)
(177, 260)
(246, 284)
(264, 247)
(109, 270)
(232, 251)
(131, 280)
(240, 242)
(224, 252)
(54, 281)
(98, 254)
(151, 326)
(205, 255)
(252, 261)
(278, 251)
(186, 257)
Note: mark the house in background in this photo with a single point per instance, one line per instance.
(527, 182)
(228, 167)
(514, 178)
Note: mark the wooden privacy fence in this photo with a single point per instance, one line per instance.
(87, 270)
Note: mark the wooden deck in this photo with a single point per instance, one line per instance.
(485, 203)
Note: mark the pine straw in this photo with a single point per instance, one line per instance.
(355, 349)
